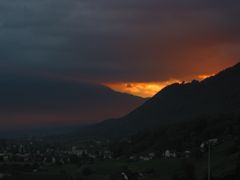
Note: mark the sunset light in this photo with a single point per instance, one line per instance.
(120, 90)
(204, 76)
(147, 89)
(143, 89)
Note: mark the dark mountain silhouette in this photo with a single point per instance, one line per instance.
(40, 100)
(180, 102)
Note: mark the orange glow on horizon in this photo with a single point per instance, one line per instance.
(146, 89)
(142, 89)
(204, 76)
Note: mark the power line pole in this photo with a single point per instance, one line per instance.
(209, 160)
(210, 143)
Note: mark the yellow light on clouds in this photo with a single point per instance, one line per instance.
(143, 89)
(146, 89)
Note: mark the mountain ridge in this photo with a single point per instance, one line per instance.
(180, 102)
(38, 100)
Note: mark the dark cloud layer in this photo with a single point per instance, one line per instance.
(119, 40)
(105, 41)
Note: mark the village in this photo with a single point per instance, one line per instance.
(34, 156)
(47, 154)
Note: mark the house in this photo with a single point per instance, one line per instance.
(91, 156)
(152, 155)
(132, 158)
(213, 141)
(169, 154)
(107, 155)
(145, 158)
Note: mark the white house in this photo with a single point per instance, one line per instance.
(169, 154)
(145, 158)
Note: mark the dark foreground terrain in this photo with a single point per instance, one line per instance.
(174, 152)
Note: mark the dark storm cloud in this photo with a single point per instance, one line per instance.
(119, 40)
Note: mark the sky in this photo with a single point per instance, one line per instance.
(133, 46)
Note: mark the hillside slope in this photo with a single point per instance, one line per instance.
(36, 101)
(180, 102)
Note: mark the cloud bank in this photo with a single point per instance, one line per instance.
(119, 40)
(105, 41)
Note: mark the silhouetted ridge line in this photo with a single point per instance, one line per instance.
(180, 102)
